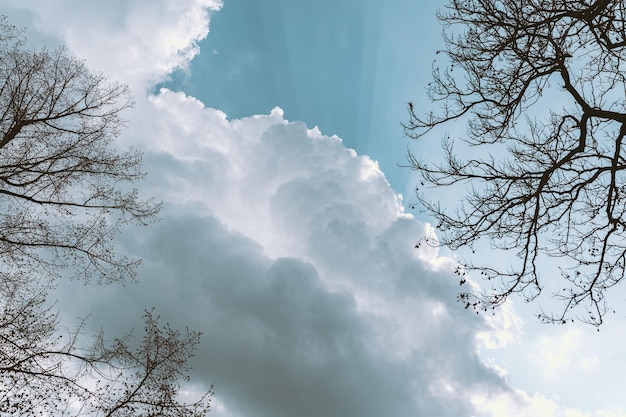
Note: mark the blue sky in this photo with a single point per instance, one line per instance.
(348, 67)
(285, 243)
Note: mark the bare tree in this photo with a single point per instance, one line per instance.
(541, 88)
(60, 172)
(65, 192)
(46, 372)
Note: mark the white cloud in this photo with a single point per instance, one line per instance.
(505, 328)
(564, 353)
(138, 42)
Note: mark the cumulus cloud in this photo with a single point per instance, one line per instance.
(138, 42)
(294, 257)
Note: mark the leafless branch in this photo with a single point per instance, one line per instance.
(556, 189)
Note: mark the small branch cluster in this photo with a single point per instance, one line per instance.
(45, 372)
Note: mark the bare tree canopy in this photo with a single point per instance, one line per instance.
(44, 371)
(541, 86)
(65, 192)
(60, 172)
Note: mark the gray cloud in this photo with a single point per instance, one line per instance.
(293, 256)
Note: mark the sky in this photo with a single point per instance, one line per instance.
(271, 132)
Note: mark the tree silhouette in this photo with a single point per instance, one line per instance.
(541, 88)
(65, 192)
(44, 371)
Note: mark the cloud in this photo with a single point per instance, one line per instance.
(294, 257)
(138, 42)
(564, 353)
